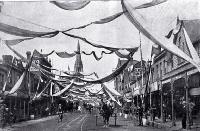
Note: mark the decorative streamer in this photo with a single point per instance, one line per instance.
(150, 4)
(39, 95)
(19, 82)
(71, 5)
(101, 21)
(113, 91)
(93, 44)
(95, 56)
(65, 54)
(9, 73)
(25, 33)
(15, 41)
(38, 85)
(109, 77)
(63, 90)
(164, 43)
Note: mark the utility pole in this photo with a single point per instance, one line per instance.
(187, 102)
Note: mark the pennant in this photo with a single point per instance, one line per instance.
(64, 90)
(71, 5)
(164, 43)
(150, 4)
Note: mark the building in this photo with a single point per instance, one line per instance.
(173, 80)
(19, 102)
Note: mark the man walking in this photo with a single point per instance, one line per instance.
(60, 113)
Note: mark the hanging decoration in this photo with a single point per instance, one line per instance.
(150, 4)
(95, 56)
(71, 5)
(112, 90)
(8, 76)
(97, 45)
(9, 29)
(47, 85)
(64, 90)
(109, 77)
(19, 82)
(15, 41)
(65, 54)
(101, 21)
(164, 43)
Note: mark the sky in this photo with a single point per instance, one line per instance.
(118, 33)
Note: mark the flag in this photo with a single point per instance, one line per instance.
(155, 50)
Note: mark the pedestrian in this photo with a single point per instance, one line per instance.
(60, 113)
(140, 114)
(106, 114)
(7, 118)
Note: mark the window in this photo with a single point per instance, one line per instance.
(161, 68)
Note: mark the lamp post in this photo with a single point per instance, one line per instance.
(148, 85)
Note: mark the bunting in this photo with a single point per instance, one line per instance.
(63, 90)
(150, 4)
(101, 21)
(9, 29)
(96, 45)
(71, 5)
(19, 82)
(95, 56)
(164, 43)
(8, 76)
(15, 41)
(65, 54)
(109, 77)
(112, 90)
(39, 95)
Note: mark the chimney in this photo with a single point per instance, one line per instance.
(28, 54)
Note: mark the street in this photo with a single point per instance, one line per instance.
(79, 122)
